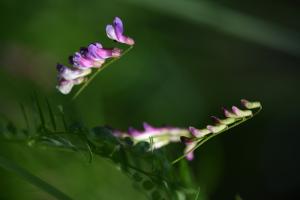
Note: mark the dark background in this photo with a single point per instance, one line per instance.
(190, 59)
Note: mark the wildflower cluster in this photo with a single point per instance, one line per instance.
(191, 136)
(92, 56)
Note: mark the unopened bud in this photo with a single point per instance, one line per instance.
(226, 121)
(199, 132)
(250, 105)
(241, 113)
(216, 129)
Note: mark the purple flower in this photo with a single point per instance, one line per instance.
(115, 32)
(82, 62)
(96, 52)
(71, 74)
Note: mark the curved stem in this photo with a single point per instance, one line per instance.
(98, 71)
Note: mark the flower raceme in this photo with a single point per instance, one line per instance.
(191, 136)
(92, 56)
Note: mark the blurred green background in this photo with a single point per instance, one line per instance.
(191, 58)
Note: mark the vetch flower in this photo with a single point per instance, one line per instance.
(96, 52)
(160, 136)
(65, 86)
(115, 32)
(81, 61)
(71, 74)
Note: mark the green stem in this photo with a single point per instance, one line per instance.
(202, 141)
(98, 71)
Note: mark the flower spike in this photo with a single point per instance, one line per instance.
(92, 56)
(191, 137)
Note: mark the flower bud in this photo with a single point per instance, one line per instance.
(217, 128)
(250, 105)
(229, 114)
(226, 121)
(241, 113)
(189, 146)
(198, 133)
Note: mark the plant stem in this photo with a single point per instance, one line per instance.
(98, 71)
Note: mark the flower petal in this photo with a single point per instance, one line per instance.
(110, 32)
(65, 86)
(118, 25)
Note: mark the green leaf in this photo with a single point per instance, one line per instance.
(34, 180)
